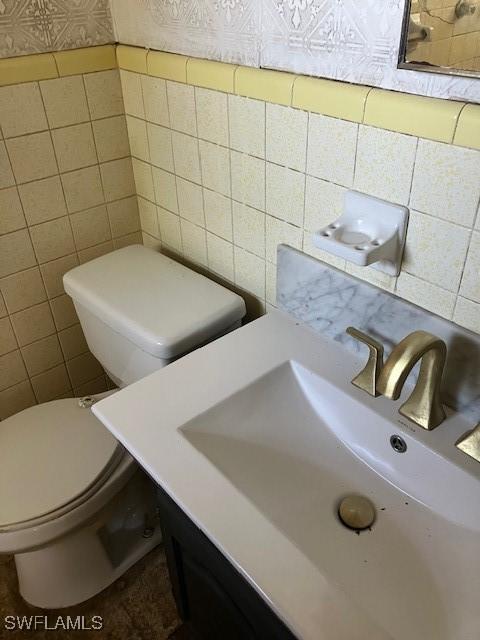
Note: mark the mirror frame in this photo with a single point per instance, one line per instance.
(414, 66)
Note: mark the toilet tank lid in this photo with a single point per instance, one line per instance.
(155, 302)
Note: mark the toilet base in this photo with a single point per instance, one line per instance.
(77, 566)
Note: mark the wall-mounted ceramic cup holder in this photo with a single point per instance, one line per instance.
(369, 232)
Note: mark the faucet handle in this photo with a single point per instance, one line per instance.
(470, 443)
(367, 378)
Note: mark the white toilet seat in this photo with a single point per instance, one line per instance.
(50, 456)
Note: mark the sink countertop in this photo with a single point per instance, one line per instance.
(147, 418)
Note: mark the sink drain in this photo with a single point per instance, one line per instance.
(356, 512)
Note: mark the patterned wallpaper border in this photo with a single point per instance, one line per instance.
(40, 26)
(350, 40)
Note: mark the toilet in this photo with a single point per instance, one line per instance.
(76, 510)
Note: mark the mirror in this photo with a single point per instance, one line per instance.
(441, 36)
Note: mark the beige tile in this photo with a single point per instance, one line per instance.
(52, 239)
(90, 388)
(104, 93)
(446, 182)
(384, 166)
(286, 136)
(42, 355)
(142, 174)
(82, 188)
(52, 384)
(186, 157)
(279, 232)
(249, 229)
(132, 93)
(138, 140)
(64, 312)
(426, 295)
(212, 115)
(74, 147)
(111, 138)
(377, 278)
(169, 224)
(190, 202)
(15, 399)
(11, 216)
(21, 110)
(150, 242)
(32, 157)
(33, 323)
(83, 368)
(181, 107)
(123, 216)
(12, 370)
(117, 178)
(43, 200)
(23, 289)
(248, 180)
(148, 217)
(165, 189)
(470, 286)
(160, 144)
(247, 125)
(220, 256)
(155, 100)
(271, 283)
(285, 194)
(3, 308)
(194, 242)
(332, 145)
(90, 227)
(94, 252)
(6, 173)
(323, 203)
(215, 163)
(467, 314)
(8, 342)
(65, 101)
(53, 272)
(16, 252)
(435, 250)
(249, 272)
(125, 241)
(218, 214)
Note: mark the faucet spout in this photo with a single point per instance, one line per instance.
(423, 406)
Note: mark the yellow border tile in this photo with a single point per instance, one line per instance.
(468, 128)
(211, 75)
(39, 66)
(430, 118)
(271, 86)
(167, 65)
(86, 60)
(330, 98)
(132, 58)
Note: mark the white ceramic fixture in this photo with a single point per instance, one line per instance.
(75, 508)
(370, 232)
(277, 438)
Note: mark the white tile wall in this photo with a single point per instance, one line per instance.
(259, 174)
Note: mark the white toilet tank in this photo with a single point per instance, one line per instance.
(140, 310)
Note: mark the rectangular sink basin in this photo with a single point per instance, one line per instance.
(260, 453)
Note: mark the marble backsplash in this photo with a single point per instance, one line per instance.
(329, 301)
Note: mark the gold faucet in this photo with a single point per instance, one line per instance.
(423, 406)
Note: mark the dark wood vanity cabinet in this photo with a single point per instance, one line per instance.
(211, 596)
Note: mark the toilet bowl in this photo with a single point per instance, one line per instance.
(76, 510)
